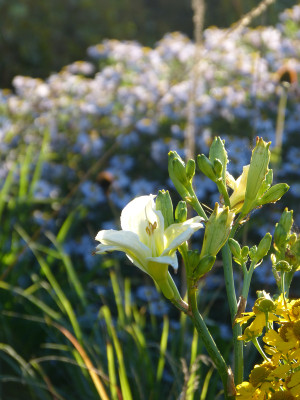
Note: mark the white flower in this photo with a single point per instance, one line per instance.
(146, 242)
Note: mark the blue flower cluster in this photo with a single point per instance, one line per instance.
(99, 132)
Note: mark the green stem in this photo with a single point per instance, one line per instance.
(222, 189)
(247, 280)
(194, 202)
(237, 330)
(259, 349)
(211, 347)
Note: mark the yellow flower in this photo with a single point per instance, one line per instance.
(261, 313)
(275, 340)
(246, 391)
(294, 384)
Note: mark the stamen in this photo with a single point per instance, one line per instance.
(151, 227)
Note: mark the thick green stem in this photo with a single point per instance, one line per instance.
(237, 330)
(211, 347)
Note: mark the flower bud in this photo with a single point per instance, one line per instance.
(190, 169)
(217, 230)
(181, 212)
(206, 166)
(165, 206)
(286, 220)
(177, 173)
(193, 257)
(263, 248)
(178, 167)
(292, 239)
(205, 265)
(217, 151)
(267, 182)
(283, 228)
(234, 248)
(257, 172)
(218, 168)
(252, 252)
(245, 252)
(273, 194)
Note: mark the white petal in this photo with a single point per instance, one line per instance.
(176, 234)
(125, 241)
(170, 260)
(133, 216)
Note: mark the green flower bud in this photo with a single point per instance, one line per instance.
(193, 257)
(206, 167)
(217, 230)
(283, 266)
(234, 248)
(177, 173)
(252, 252)
(267, 182)
(181, 212)
(190, 169)
(205, 265)
(257, 172)
(217, 151)
(245, 252)
(178, 167)
(286, 220)
(263, 248)
(164, 204)
(292, 239)
(218, 168)
(283, 228)
(273, 194)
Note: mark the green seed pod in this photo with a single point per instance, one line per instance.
(181, 212)
(165, 206)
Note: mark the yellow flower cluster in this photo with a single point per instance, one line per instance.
(278, 376)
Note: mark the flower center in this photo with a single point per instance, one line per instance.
(286, 395)
(259, 375)
(150, 228)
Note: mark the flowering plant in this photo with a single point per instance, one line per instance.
(151, 233)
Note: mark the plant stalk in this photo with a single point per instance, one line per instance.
(211, 347)
(237, 330)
